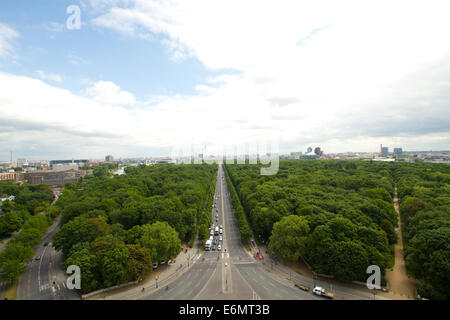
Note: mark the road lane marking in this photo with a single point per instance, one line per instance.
(39, 270)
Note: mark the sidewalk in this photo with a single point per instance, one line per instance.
(401, 287)
(158, 278)
(300, 274)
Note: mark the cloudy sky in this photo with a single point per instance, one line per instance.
(144, 77)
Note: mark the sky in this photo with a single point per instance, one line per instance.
(142, 78)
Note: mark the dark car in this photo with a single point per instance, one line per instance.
(302, 287)
(155, 265)
(37, 258)
(45, 244)
(213, 248)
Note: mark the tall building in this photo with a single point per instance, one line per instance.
(398, 151)
(22, 162)
(109, 158)
(317, 151)
(384, 151)
(295, 155)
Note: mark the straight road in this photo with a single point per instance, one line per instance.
(230, 273)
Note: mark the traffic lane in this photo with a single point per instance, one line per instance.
(35, 279)
(188, 285)
(268, 288)
(233, 288)
(59, 276)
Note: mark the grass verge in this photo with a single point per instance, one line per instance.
(11, 291)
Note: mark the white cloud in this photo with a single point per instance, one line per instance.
(49, 76)
(109, 93)
(317, 69)
(7, 34)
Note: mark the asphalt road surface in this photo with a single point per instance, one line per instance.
(230, 273)
(45, 278)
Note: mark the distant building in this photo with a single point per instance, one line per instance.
(398, 151)
(4, 198)
(79, 162)
(8, 176)
(317, 151)
(53, 178)
(64, 167)
(109, 158)
(295, 155)
(309, 150)
(384, 151)
(22, 162)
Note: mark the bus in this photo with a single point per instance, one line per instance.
(208, 245)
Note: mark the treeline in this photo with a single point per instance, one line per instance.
(424, 191)
(244, 228)
(338, 215)
(115, 228)
(29, 200)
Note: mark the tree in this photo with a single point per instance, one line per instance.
(10, 222)
(15, 250)
(411, 205)
(29, 236)
(349, 261)
(114, 266)
(77, 230)
(320, 249)
(10, 270)
(162, 240)
(139, 261)
(7, 206)
(289, 236)
(90, 278)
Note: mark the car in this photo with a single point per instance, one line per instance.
(162, 262)
(217, 219)
(220, 231)
(213, 248)
(215, 241)
(302, 287)
(220, 227)
(45, 244)
(155, 265)
(220, 238)
(37, 258)
(219, 247)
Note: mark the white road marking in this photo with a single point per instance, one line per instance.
(39, 270)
